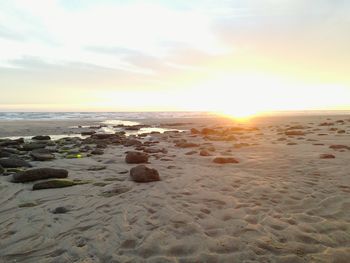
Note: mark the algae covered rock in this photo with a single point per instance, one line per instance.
(55, 183)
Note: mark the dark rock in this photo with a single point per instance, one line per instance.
(224, 160)
(155, 150)
(294, 133)
(97, 152)
(136, 157)
(207, 131)
(42, 138)
(186, 145)
(13, 162)
(195, 131)
(191, 153)
(60, 210)
(56, 183)
(327, 156)
(4, 153)
(132, 142)
(33, 146)
(97, 168)
(204, 153)
(341, 131)
(2, 170)
(326, 124)
(8, 142)
(143, 174)
(39, 174)
(339, 147)
(87, 133)
(102, 136)
(42, 155)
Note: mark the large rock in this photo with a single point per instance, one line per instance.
(39, 174)
(136, 157)
(41, 138)
(42, 155)
(224, 160)
(13, 162)
(143, 174)
(53, 184)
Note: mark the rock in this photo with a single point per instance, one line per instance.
(33, 146)
(97, 152)
(60, 210)
(41, 138)
(191, 153)
(327, 156)
(114, 190)
(339, 147)
(97, 168)
(8, 142)
(132, 142)
(87, 133)
(294, 133)
(42, 155)
(2, 170)
(195, 131)
(39, 174)
(204, 153)
(240, 145)
(56, 183)
(326, 124)
(4, 153)
(13, 162)
(143, 174)
(155, 150)
(224, 160)
(341, 131)
(207, 131)
(136, 157)
(186, 145)
(102, 136)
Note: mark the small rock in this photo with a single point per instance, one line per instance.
(195, 131)
(191, 153)
(60, 210)
(224, 160)
(56, 183)
(136, 157)
(39, 174)
(42, 155)
(97, 152)
(294, 133)
(87, 133)
(41, 138)
(339, 147)
(204, 153)
(13, 162)
(186, 145)
(33, 146)
(327, 156)
(143, 174)
(97, 168)
(132, 142)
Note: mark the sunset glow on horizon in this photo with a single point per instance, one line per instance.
(238, 58)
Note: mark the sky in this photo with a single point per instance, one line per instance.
(233, 56)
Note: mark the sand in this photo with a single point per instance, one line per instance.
(280, 203)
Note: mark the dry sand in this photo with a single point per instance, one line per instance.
(280, 203)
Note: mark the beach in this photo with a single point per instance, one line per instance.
(272, 189)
